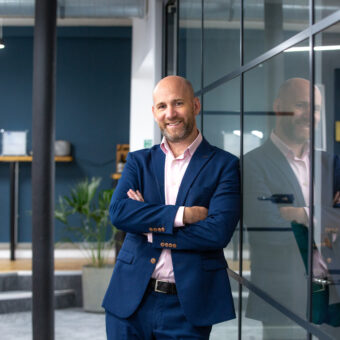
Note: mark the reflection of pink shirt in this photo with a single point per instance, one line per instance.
(174, 171)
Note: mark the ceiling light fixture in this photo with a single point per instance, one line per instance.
(316, 48)
(257, 133)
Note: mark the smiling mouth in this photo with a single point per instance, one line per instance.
(173, 124)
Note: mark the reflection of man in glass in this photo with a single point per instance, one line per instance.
(280, 167)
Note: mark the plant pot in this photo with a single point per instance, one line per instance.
(95, 282)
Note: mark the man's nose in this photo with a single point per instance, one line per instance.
(170, 112)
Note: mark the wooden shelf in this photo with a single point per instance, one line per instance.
(29, 158)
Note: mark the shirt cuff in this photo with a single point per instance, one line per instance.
(179, 217)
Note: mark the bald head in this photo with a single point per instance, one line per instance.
(171, 82)
(175, 108)
(292, 109)
(293, 87)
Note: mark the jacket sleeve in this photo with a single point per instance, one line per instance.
(216, 230)
(135, 216)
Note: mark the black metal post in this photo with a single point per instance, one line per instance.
(14, 205)
(43, 169)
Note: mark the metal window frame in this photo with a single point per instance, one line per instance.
(308, 33)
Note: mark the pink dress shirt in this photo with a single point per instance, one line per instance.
(300, 167)
(174, 171)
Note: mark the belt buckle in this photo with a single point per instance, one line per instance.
(156, 287)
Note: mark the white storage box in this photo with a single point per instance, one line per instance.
(14, 143)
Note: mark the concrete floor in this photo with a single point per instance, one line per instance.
(70, 324)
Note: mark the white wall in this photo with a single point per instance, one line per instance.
(145, 73)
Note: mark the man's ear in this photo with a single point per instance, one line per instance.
(154, 113)
(197, 106)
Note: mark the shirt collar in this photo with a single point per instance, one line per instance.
(189, 150)
(285, 149)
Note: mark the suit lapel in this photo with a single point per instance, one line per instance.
(158, 163)
(201, 156)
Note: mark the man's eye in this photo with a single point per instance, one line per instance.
(179, 103)
(161, 107)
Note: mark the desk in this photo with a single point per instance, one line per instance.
(14, 192)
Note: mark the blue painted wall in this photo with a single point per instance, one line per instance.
(92, 108)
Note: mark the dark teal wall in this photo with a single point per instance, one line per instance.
(92, 107)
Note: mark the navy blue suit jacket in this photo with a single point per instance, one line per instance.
(211, 180)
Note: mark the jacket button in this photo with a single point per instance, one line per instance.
(150, 229)
(153, 260)
(174, 245)
(159, 230)
(163, 229)
(170, 245)
(167, 244)
(154, 229)
(162, 244)
(329, 260)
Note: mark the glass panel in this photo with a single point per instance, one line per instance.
(221, 38)
(326, 264)
(274, 325)
(221, 124)
(270, 22)
(325, 7)
(276, 133)
(228, 329)
(190, 37)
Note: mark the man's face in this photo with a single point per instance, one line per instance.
(175, 109)
(293, 112)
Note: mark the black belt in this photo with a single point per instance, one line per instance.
(162, 287)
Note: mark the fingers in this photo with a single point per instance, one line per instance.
(135, 195)
(140, 196)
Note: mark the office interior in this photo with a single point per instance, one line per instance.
(238, 55)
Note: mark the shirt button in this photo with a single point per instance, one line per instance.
(153, 260)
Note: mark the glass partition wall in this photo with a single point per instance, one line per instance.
(268, 75)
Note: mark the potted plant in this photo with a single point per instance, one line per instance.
(86, 218)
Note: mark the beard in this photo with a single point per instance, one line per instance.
(296, 130)
(180, 134)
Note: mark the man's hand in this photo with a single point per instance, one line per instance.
(191, 214)
(135, 195)
(294, 214)
(194, 214)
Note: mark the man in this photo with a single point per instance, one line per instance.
(179, 204)
(278, 234)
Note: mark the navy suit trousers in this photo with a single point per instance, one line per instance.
(159, 317)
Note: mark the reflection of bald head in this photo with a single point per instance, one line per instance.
(177, 82)
(293, 88)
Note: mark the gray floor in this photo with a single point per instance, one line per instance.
(72, 323)
(75, 324)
